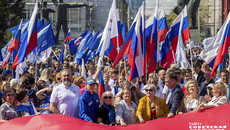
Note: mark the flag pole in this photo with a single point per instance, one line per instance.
(36, 64)
(229, 62)
(125, 69)
(190, 48)
(118, 49)
(53, 52)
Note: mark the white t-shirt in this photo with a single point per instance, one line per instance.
(66, 99)
(112, 83)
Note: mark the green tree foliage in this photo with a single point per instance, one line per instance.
(12, 9)
(170, 18)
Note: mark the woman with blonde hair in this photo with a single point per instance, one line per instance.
(117, 88)
(192, 100)
(5, 85)
(219, 98)
(106, 113)
(46, 75)
(153, 81)
(150, 106)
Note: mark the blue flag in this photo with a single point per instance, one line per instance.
(123, 30)
(93, 45)
(84, 42)
(1, 58)
(73, 45)
(61, 57)
(46, 37)
(14, 30)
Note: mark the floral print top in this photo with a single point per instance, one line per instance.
(7, 112)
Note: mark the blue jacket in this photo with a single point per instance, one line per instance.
(88, 106)
(28, 109)
(175, 99)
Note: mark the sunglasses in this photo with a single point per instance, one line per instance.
(109, 97)
(177, 72)
(58, 78)
(150, 90)
(8, 95)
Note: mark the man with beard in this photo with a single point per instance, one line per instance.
(64, 98)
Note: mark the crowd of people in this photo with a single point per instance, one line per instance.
(60, 89)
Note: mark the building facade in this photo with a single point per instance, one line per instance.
(93, 17)
(225, 9)
(210, 17)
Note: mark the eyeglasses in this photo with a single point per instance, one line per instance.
(109, 97)
(150, 90)
(177, 73)
(8, 95)
(58, 78)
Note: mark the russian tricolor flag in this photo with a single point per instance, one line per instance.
(14, 44)
(169, 46)
(142, 37)
(214, 52)
(133, 47)
(155, 33)
(101, 86)
(124, 51)
(31, 44)
(68, 38)
(156, 30)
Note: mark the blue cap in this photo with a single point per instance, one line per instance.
(54, 57)
(7, 71)
(47, 66)
(90, 81)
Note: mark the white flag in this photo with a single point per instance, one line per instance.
(180, 53)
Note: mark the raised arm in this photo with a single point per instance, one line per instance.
(76, 5)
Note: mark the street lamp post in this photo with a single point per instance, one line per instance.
(91, 7)
(8, 22)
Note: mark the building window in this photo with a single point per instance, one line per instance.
(74, 18)
(209, 20)
(209, 8)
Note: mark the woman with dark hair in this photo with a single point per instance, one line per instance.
(24, 107)
(126, 109)
(29, 84)
(8, 110)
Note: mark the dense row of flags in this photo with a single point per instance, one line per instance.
(141, 45)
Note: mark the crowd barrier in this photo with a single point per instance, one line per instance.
(217, 118)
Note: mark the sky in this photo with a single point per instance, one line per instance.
(167, 4)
